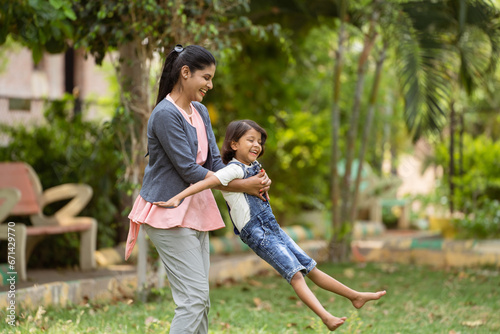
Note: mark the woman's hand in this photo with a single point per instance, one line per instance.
(171, 203)
(259, 185)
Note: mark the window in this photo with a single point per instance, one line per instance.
(19, 104)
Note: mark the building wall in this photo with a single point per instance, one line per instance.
(25, 86)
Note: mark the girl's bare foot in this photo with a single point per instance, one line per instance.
(333, 322)
(364, 297)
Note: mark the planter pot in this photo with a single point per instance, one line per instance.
(443, 225)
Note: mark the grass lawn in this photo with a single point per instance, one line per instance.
(418, 300)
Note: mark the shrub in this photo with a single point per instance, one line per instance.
(482, 223)
(481, 170)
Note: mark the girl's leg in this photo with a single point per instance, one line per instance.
(185, 255)
(329, 283)
(306, 295)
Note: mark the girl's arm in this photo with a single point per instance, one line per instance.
(209, 182)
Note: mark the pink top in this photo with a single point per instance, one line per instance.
(198, 212)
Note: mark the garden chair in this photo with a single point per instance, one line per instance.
(33, 200)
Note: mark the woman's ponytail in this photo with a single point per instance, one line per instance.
(168, 76)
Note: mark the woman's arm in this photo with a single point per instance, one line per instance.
(209, 182)
(257, 185)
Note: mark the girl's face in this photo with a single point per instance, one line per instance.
(197, 84)
(248, 147)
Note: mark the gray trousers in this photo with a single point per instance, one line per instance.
(186, 256)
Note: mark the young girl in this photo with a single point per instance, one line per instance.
(255, 223)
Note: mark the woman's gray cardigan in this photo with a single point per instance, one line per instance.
(172, 147)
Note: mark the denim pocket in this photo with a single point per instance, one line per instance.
(255, 234)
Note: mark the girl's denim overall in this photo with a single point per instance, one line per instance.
(265, 237)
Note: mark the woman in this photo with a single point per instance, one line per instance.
(183, 151)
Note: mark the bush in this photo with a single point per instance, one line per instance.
(481, 170)
(483, 223)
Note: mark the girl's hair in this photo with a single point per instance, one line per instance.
(194, 56)
(235, 130)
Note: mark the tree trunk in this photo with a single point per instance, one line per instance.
(461, 154)
(452, 158)
(353, 124)
(334, 253)
(367, 128)
(134, 78)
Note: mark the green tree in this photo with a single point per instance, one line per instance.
(453, 50)
(42, 26)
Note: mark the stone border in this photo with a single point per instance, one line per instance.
(427, 250)
(72, 292)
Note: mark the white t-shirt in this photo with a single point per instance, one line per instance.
(240, 210)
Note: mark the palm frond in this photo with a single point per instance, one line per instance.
(448, 43)
(424, 81)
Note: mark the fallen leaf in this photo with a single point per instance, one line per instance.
(366, 284)
(391, 268)
(473, 324)
(349, 273)
(225, 325)
(261, 305)
(39, 313)
(255, 283)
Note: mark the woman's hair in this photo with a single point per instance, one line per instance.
(194, 56)
(235, 130)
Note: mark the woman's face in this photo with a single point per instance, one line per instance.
(197, 84)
